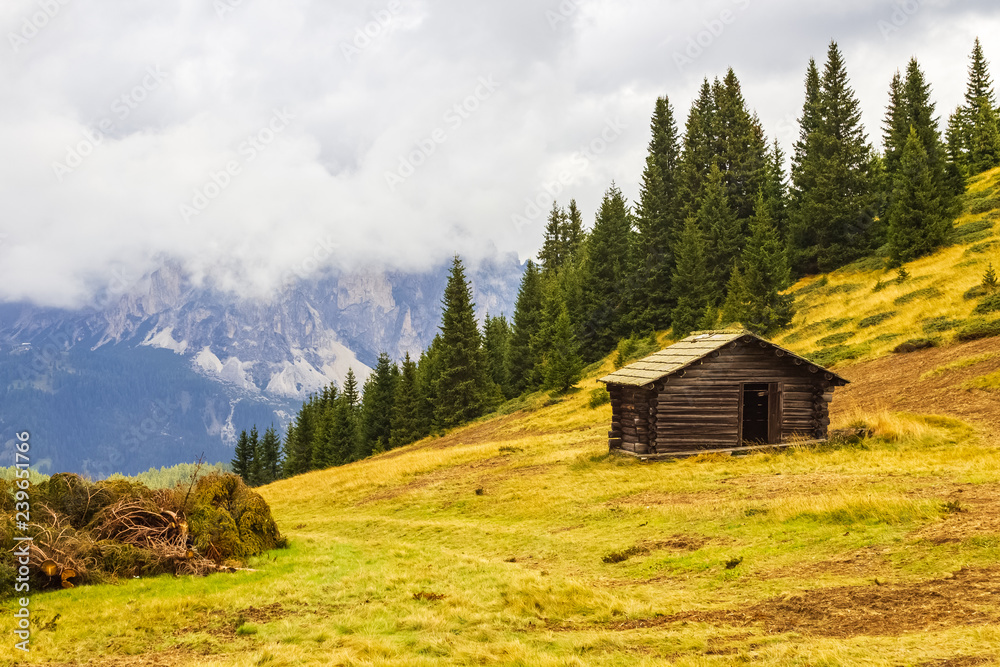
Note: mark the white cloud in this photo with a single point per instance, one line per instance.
(317, 187)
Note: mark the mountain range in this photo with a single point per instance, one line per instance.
(163, 370)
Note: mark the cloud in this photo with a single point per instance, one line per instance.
(245, 139)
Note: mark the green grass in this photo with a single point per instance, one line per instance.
(959, 364)
(471, 548)
(989, 382)
(886, 310)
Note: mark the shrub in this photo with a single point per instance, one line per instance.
(879, 286)
(902, 275)
(980, 248)
(940, 324)
(914, 344)
(599, 397)
(971, 232)
(979, 328)
(836, 323)
(984, 206)
(925, 293)
(886, 337)
(990, 283)
(813, 286)
(990, 304)
(876, 319)
(846, 288)
(835, 339)
(974, 293)
(832, 355)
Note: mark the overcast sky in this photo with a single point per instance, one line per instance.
(252, 140)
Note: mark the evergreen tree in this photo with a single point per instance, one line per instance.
(895, 125)
(723, 234)
(562, 361)
(376, 407)
(243, 458)
(344, 435)
(691, 280)
(658, 220)
(496, 342)
(428, 375)
(298, 444)
(699, 152)
(554, 247)
(463, 388)
(406, 426)
(990, 283)
(979, 116)
(957, 167)
(776, 189)
(741, 147)
(833, 202)
(755, 297)
(916, 223)
(527, 323)
(269, 457)
(608, 273)
(574, 234)
(253, 445)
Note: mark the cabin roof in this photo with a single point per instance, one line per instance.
(686, 352)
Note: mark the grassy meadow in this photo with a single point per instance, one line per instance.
(518, 540)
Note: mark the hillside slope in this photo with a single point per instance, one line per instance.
(863, 311)
(518, 540)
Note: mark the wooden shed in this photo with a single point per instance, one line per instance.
(718, 390)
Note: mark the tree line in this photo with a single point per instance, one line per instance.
(719, 231)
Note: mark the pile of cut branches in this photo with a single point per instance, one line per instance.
(85, 532)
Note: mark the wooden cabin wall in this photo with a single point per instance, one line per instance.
(701, 408)
(615, 434)
(630, 418)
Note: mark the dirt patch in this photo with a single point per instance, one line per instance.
(968, 597)
(894, 382)
(975, 512)
(963, 661)
(864, 563)
(264, 614)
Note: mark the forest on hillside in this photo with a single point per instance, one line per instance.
(719, 232)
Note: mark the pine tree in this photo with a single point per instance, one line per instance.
(608, 273)
(562, 361)
(428, 375)
(527, 322)
(253, 470)
(990, 283)
(776, 189)
(496, 342)
(755, 297)
(895, 125)
(979, 116)
(699, 154)
(376, 407)
(691, 280)
(723, 234)
(916, 223)
(658, 220)
(243, 458)
(741, 147)
(344, 435)
(574, 234)
(553, 252)
(269, 456)
(463, 387)
(298, 444)
(957, 167)
(833, 202)
(406, 427)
